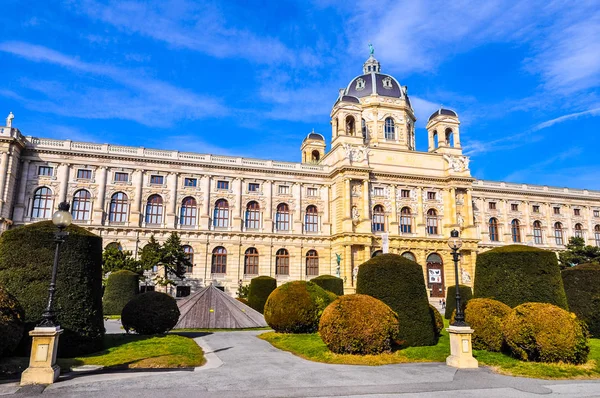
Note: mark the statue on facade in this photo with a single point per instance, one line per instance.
(355, 215)
(9, 119)
(466, 277)
(371, 49)
(461, 221)
(338, 260)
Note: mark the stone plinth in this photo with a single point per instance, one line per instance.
(42, 363)
(461, 351)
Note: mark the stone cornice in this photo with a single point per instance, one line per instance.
(503, 188)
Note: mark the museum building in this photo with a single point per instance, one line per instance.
(371, 192)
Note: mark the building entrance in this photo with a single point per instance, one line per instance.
(435, 275)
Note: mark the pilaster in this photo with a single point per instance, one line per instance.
(98, 211)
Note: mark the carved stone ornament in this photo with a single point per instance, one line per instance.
(457, 163)
(356, 190)
(360, 84)
(465, 276)
(355, 215)
(356, 153)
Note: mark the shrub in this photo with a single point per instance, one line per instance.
(358, 324)
(400, 284)
(518, 274)
(260, 289)
(121, 286)
(11, 323)
(242, 300)
(150, 313)
(582, 286)
(486, 317)
(296, 307)
(26, 259)
(437, 320)
(330, 283)
(465, 295)
(545, 333)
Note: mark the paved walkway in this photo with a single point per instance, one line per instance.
(241, 365)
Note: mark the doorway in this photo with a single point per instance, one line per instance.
(435, 275)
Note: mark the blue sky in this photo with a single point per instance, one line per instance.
(252, 78)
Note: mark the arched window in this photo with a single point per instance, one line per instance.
(377, 253)
(119, 208)
(282, 262)
(251, 261)
(114, 245)
(189, 253)
(316, 156)
(515, 229)
(558, 233)
(378, 219)
(390, 129)
(363, 125)
(597, 235)
(221, 214)
(435, 139)
(578, 231)
(187, 215)
(349, 125)
(282, 217)
(409, 256)
(449, 137)
(82, 205)
(42, 203)
(493, 227)
(311, 219)
(432, 222)
(434, 258)
(312, 263)
(537, 233)
(219, 261)
(253, 215)
(405, 221)
(154, 210)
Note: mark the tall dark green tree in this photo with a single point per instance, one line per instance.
(114, 259)
(578, 253)
(150, 254)
(173, 257)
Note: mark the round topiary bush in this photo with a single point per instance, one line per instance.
(582, 286)
(121, 287)
(11, 323)
(437, 320)
(486, 317)
(518, 274)
(358, 324)
(330, 283)
(296, 307)
(545, 333)
(465, 295)
(26, 258)
(260, 289)
(400, 284)
(150, 313)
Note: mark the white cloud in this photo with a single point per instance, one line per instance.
(564, 118)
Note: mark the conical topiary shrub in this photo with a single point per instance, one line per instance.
(121, 286)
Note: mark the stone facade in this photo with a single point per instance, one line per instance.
(371, 191)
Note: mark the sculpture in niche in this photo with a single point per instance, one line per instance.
(356, 190)
(338, 260)
(466, 277)
(355, 215)
(461, 221)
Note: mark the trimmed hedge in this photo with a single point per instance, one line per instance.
(11, 323)
(242, 300)
(545, 333)
(400, 284)
(121, 286)
(437, 320)
(486, 317)
(465, 295)
(260, 289)
(296, 307)
(582, 286)
(26, 258)
(518, 274)
(330, 283)
(358, 324)
(150, 313)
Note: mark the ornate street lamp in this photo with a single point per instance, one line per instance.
(455, 243)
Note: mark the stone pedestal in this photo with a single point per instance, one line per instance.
(42, 363)
(461, 351)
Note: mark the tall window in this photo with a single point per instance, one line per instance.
(350, 125)
(219, 261)
(578, 231)
(537, 233)
(118, 208)
(409, 256)
(390, 129)
(154, 210)
(597, 235)
(558, 233)
(282, 262)
(253, 215)
(405, 221)
(189, 253)
(493, 227)
(432, 222)
(42, 203)
(378, 219)
(311, 219)
(282, 217)
(312, 263)
(251, 261)
(221, 214)
(82, 201)
(515, 229)
(363, 125)
(188, 211)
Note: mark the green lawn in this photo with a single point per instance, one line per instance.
(311, 347)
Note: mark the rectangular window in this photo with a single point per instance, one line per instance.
(577, 212)
(514, 207)
(45, 171)
(121, 177)
(222, 184)
(284, 190)
(536, 208)
(405, 193)
(431, 195)
(596, 213)
(378, 191)
(158, 180)
(312, 191)
(253, 187)
(190, 182)
(557, 210)
(492, 205)
(84, 174)
(183, 291)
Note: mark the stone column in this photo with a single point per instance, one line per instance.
(326, 221)
(64, 182)
(453, 206)
(420, 227)
(298, 221)
(526, 230)
(239, 211)
(394, 221)
(268, 192)
(136, 202)
(19, 212)
(549, 227)
(98, 213)
(3, 173)
(366, 204)
(172, 204)
(205, 213)
(347, 271)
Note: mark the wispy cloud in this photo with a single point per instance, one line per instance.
(564, 118)
(532, 171)
(505, 143)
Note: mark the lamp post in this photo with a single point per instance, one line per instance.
(455, 243)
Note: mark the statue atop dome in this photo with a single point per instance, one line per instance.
(371, 49)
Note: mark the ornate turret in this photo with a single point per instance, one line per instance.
(443, 132)
(313, 148)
